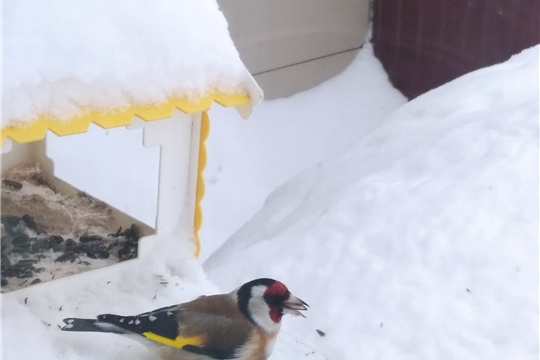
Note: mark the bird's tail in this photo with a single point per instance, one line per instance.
(91, 325)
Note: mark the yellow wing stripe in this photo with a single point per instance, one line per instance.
(179, 342)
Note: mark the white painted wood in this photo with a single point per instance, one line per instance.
(174, 136)
(193, 171)
(6, 146)
(256, 94)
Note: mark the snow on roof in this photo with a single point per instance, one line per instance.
(63, 58)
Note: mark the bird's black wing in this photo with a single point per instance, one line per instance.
(155, 325)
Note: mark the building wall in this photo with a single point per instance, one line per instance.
(293, 45)
(423, 44)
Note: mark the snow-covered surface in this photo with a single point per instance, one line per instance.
(248, 160)
(382, 241)
(421, 241)
(126, 53)
(307, 134)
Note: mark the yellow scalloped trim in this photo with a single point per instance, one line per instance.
(23, 132)
(201, 187)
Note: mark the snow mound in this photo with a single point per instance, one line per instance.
(421, 241)
(59, 57)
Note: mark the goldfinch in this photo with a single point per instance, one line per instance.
(241, 325)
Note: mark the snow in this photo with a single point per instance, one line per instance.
(421, 241)
(126, 54)
(248, 160)
(417, 238)
(132, 287)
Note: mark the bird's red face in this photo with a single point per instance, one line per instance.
(265, 301)
(281, 301)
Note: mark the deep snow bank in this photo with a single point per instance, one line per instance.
(422, 240)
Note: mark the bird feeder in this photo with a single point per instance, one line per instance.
(177, 122)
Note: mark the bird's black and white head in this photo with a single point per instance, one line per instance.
(265, 301)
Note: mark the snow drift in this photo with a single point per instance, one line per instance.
(422, 240)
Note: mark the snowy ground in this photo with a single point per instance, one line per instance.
(419, 242)
(248, 160)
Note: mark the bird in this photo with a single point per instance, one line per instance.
(240, 325)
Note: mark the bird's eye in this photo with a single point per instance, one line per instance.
(275, 300)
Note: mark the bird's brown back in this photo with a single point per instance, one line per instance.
(217, 316)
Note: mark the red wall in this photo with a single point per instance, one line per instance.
(425, 43)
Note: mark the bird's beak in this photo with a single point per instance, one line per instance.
(294, 305)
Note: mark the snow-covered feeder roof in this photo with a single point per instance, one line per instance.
(67, 64)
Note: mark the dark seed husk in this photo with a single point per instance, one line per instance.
(10, 222)
(80, 249)
(135, 234)
(68, 255)
(15, 185)
(123, 252)
(30, 223)
(18, 271)
(5, 261)
(21, 249)
(97, 253)
(26, 262)
(102, 254)
(112, 245)
(85, 239)
(91, 254)
(6, 251)
(20, 238)
(56, 239)
(57, 248)
(69, 243)
(6, 241)
(117, 233)
(82, 262)
(41, 180)
(26, 274)
(41, 245)
(35, 281)
(127, 252)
